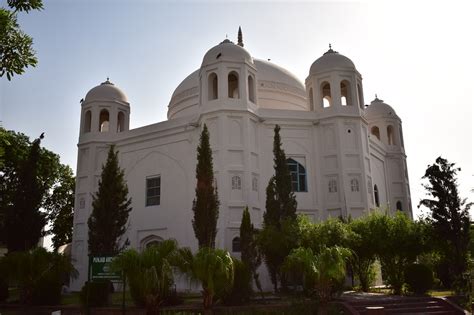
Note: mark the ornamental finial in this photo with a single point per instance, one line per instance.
(240, 41)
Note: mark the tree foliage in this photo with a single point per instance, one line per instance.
(449, 215)
(279, 219)
(110, 209)
(206, 203)
(16, 51)
(150, 273)
(213, 268)
(248, 245)
(47, 175)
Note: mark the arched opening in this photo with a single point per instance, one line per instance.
(311, 99)
(236, 244)
(354, 185)
(120, 122)
(212, 86)
(390, 135)
(401, 135)
(298, 176)
(375, 131)
(87, 121)
(326, 94)
(399, 206)
(361, 97)
(345, 93)
(251, 89)
(150, 240)
(236, 183)
(376, 196)
(104, 121)
(233, 85)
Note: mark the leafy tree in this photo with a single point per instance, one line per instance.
(24, 221)
(321, 271)
(280, 215)
(150, 273)
(60, 206)
(248, 246)
(362, 244)
(213, 268)
(449, 215)
(16, 51)
(50, 175)
(39, 275)
(398, 242)
(110, 209)
(206, 203)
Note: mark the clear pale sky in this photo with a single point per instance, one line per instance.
(417, 56)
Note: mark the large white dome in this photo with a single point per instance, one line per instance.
(277, 88)
(106, 91)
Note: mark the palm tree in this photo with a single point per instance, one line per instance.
(213, 268)
(321, 271)
(149, 273)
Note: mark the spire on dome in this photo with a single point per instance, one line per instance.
(240, 41)
(330, 51)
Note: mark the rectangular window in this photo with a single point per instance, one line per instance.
(153, 186)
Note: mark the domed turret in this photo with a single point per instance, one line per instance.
(384, 123)
(334, 85)
(105, 111)
(106, 91)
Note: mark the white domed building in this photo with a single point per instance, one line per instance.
(346, 158)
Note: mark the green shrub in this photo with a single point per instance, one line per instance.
(241, 290)
(419, 278)
(99, 293)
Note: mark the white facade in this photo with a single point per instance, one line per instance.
(347, 158)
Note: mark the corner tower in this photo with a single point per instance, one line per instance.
(334, 88)
(105, 113)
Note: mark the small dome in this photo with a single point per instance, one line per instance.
(227, 51)
(378, 109)
(331, 60)
(106, 91)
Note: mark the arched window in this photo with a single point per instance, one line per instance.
(104, 121)
(399, 205)
(212, 86)
(150, 240)
(311, 99)
(354, 185)
(298, 176)
(375, 131)
(233, 85)
(251, 89)
(120, 122)
(326, 94)
(346, 93)
(87, 121)
(376, 196)
(361, 97)
(236, 245)
(236, 183)
(390, 135)
(332, 186)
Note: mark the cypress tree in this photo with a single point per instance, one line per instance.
(248, 246)
(206, 203)
(110, 209)
(280, 215)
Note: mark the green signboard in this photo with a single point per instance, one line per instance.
(100, 269)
